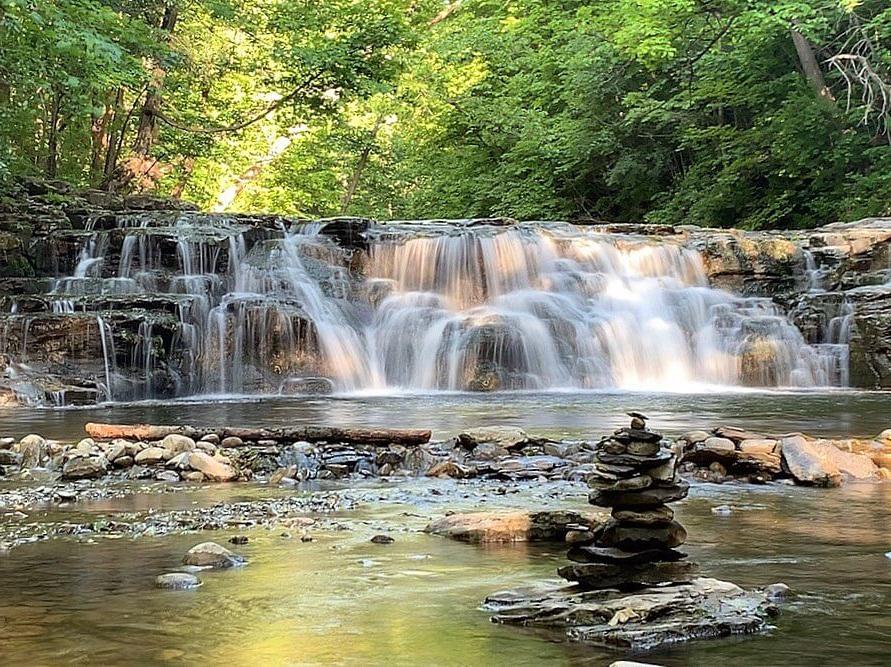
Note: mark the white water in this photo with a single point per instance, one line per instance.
(440, 308)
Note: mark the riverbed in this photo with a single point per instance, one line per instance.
(340, 599)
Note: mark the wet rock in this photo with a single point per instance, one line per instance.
(34, 451)
(10, 458)
(778, 592)
(238, 539)
(152, 456)
(382, 539)
(212, 438)
(231, 442)
(450, 469)
(758, 446)
(736, 435)
(123, 462)
(818, 463)
(487, 527)
(652, 497)
(177, 444)
(211, 554)
(167, 476)
(213, 469)
(635, 538)
(627, 576)
(488, 451)
(177, 581)
(6, 443)
(507, 437)
(646, 620)
(192, 476)
(85, 468)
(657, 516)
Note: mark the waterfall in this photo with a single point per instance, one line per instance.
(229, 308)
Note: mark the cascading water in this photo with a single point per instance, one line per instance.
(234, 309)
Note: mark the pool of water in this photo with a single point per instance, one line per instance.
(590, 414)
(342, 600)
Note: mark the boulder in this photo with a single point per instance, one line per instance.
(820, 463)
(211, 554)
(501, 527)
(177, 444)
(34, 451)
(212, 468)
(450, 469)
(508, 437)
(85, 468)
(231, 442)
(152, 456)
(488, 451)
(177, 581)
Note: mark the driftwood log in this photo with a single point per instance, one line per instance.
(350, 436)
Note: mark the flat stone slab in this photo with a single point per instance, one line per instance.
(651, 618)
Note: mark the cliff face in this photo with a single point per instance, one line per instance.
(71, 312)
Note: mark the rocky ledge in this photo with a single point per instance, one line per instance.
(641, 621)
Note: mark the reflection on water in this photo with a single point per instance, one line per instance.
(592, 414)
(343, 600)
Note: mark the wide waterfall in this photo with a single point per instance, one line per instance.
(234, 308)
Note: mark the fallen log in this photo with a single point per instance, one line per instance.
(377, 437)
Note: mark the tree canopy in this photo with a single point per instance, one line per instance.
(750, 113)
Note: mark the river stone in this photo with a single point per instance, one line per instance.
(10, 458)
(85, 468)
(212, 438)
(628, 484)
(179, 462)
(192, 476)
(641, 448)
(177, 581)
(594, 554)
(652, 497)
(758, 446)
(213, 469)
(211, 554)
(123, 462)
(631, 435)
(636, 538)
(487, 451)
(643, 621)
(635, 461)
(34, 451)
(736, 435)
(382, 539)
(167, 476)
(6, 443)
(657, 516)
(152, 456)
(695, 437)
(177, 444)
(488, 527)
(819, 463)
(207, 447)
(85, 447)
(114, 451)
(508, 437)
(231, 442)
(627, 576)
(613, 447)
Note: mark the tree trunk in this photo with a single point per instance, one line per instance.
(809, 65)
(99, 138)
(52, 136)
(228, 196)
(185, 174)
(381, 437)
(356, 176)
(147, 129)
(114, 137)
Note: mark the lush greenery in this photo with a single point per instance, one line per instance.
(750, 113)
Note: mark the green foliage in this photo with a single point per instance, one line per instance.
(662, 110)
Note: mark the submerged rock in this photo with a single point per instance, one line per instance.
(211, 554)
(645, 620)
(488, 527)
(177, 581)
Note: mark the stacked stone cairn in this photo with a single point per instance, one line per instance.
(635, 475)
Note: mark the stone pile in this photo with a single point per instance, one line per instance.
(637, 477)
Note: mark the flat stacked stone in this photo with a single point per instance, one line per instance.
(636, 476)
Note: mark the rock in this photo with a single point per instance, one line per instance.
(114, 451)
(10, 458)
(212, 468)
(192, 476)
(722, 510)
(612, 555)
(179, 461)
(627, 576)
(85, 468)
(637, 538)
(643, 621)
(34, 451)
(718, 469)
(818, 463)
(177, 581)
(211, 438)
(658, 516)
(177, 444)
(562, 450)
(488, 451)
(231, 442)
(382, 539)
(6, 443)
(152, 456)
(885, 437)
(778, 592)
(123, 462)
(758, 446)
(211, 554)
(488, 527)
(450, 469)
(167, 476)
(736, 435)
(652, 497)
(694, 437)
(238, 539)
(207, 447)
(632, 663)
(507, 437)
